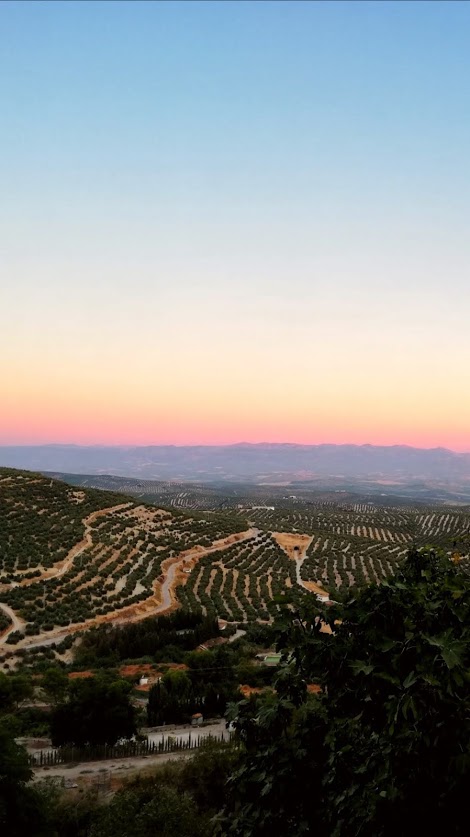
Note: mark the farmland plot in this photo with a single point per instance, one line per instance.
(72, 556)
(116, 564)
(337, 562)
(353, 545)
(240, 583)
(41, 520)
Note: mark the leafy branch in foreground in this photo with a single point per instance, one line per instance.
(384, 748)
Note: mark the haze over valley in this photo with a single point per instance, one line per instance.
(431, 475)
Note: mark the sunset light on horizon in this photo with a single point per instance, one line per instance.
(235, 222)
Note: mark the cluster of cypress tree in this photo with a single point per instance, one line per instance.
(182, 630)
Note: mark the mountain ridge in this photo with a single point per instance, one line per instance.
(244, 461)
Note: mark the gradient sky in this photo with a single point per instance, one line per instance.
(235, 221)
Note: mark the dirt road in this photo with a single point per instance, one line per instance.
(296, 546)
(17, 623)
(171, 567)
(87, 541)
(162, 599)
(92, 770)
(54, 572)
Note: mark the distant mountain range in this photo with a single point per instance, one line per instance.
(252, 463)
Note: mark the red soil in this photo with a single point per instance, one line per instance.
(77, 675)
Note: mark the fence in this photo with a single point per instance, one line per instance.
(99, 752)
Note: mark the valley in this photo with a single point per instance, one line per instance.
(75, 557)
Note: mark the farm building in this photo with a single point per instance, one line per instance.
(270, 658)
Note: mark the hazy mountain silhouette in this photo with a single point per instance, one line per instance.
(250, 462)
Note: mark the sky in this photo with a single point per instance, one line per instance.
(235, 221)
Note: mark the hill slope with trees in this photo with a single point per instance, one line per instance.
(366, 732)
(70, 557)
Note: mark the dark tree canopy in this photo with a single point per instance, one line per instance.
(20, 807)
(98, 710)
(206, 687)
(180, 630)
(384, 750)
(161, 810)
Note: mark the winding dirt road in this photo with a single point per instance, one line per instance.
(162, 600)
(54, 572)
(172, 566)
(62, 567)
(296, 546)
(17, 623)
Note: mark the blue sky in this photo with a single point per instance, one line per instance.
(285, 181)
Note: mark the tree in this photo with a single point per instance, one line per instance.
(22, 689)
(98, 710)
(20, 805)
(55, 684)
(385, 749)
(6, 701)
(15, 690)
(171, 700)
(159, 810)
(177, 683)
(67, 815)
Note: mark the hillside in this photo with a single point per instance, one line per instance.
(71, 558)
(37, 513)
(74, 557)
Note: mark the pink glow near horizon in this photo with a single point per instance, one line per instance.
(24, 434)
(87, 407)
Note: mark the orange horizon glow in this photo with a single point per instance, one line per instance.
(90, 432)
(72, 405)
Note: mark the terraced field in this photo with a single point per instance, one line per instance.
(73, 557)
(240, 583)
(360, 544)
(180, 495)
(41, 520)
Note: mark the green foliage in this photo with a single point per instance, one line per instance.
(67, 815)
(32, 721)
(15, 690)
(55, 684)
(356, 543)
(205, 775)
(179, 798)
(151, 637)
(98, 710)
(41, 519)
(14, 638)
(117, 566)
(255, 675)
(5, 621)
(20, 806)
(385, 749)
(161, 810)
(277, 788)
(206, 687)
(241, 583)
